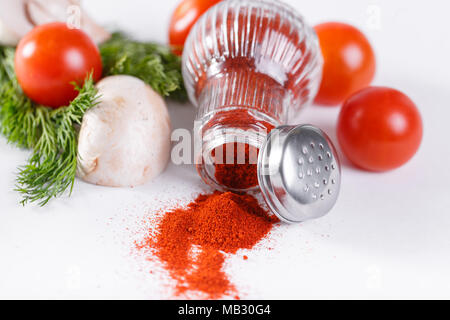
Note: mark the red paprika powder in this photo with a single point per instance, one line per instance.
(241, 171)
(214, 225)
(235, 163)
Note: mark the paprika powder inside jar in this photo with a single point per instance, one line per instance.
(249, 66)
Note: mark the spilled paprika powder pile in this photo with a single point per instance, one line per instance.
(192, 242)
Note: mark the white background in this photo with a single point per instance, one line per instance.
(388, 236)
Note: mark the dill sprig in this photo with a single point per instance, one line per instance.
(153, 63)
(50, 133)
(16, 110)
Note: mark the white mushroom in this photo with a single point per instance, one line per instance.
(14, 23)
(45, 11)
(125, 139)
(18, 17)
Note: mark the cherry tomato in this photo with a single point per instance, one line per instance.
(183, 18)
(349, 62)
(379, 129)
(52, 56)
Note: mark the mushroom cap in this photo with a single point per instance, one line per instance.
(18, 17)
(124, 141)
(14, 23)
(70, 11)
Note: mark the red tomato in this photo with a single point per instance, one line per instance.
(50, 58)
(379, 129)
(349, 62)
(183, 18)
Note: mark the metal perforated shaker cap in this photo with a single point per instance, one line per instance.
(299, 173)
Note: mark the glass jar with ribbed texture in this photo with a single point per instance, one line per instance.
(249, 66)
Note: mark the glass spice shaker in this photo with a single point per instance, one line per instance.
(249, 66)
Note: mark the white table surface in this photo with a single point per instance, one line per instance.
(388, 236)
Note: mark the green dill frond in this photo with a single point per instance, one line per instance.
(51, 170)
(50, 133)
(154, 64)
(17, 122)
